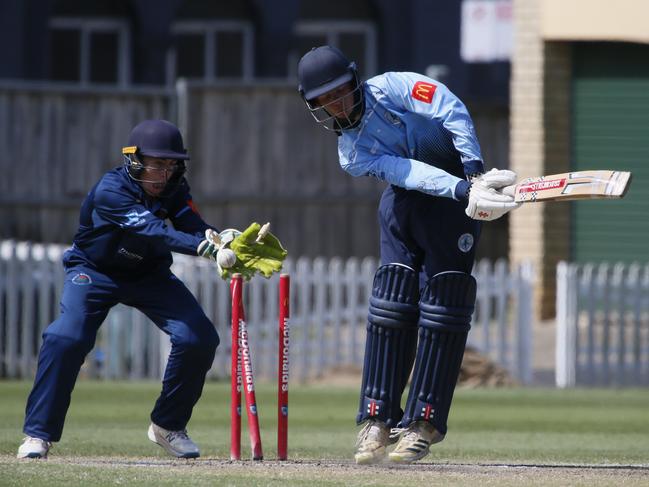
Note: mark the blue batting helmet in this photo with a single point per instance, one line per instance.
(324, 69)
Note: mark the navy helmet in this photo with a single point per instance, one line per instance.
(322, 70)
(160, 139)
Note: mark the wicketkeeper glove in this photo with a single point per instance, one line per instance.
(257, 250)
(209, 247)
(214, 247)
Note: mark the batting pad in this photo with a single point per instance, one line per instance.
(391, 343)
(445, 309)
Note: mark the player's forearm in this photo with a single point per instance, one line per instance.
(148, 227)
(119, 209)
(176, 241)
(415, 175)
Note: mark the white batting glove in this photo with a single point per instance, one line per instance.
(487, 203)
(496, 178)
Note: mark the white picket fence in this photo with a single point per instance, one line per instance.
(328, 316)
(602, 324)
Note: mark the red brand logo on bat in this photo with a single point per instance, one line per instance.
(542, 185)
(423, 91)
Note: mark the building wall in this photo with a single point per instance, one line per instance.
(541, 116)
(540, 144)
(526, 239)
(401, 38)
(589, 20)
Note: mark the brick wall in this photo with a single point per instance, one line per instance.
(539, 144)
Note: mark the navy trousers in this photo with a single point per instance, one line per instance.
(87, 297)
(427, 233)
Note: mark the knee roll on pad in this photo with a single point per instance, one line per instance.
(446, 307)
(390, 343)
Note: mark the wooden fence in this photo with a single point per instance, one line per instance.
(328, 316)
(602, 324)
(256, 155)
(57, 142)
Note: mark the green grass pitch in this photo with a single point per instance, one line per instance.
(502, 436)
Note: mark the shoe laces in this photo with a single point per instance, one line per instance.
(395, 433)
(180, 435)
(412, 432)
(371, 431)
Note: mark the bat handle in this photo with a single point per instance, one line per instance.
(509, 190)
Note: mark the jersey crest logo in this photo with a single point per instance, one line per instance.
(465, 242)
(423, 91)
(81, 279)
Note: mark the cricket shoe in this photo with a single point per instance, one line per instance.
(33, 448)
(176, 443)
(372, 441)
(414, 442)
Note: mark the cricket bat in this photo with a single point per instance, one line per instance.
(571, 186)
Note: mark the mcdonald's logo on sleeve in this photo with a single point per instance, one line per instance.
(423, 91)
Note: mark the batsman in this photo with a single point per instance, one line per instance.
(412, 132)
(129, 224)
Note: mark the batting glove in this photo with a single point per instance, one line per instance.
(488, 204)
(496, 178)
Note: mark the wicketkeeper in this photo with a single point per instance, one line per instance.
(412, 132)
(130, 222)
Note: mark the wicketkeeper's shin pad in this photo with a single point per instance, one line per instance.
(391, 343)
(445, 312)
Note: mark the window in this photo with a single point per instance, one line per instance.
(357, 39)
(90, 50)
(210, 50)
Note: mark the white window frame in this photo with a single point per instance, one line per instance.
(331, 30)
(89, 26)
(209, 30)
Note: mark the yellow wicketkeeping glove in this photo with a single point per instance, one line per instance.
(257, 250)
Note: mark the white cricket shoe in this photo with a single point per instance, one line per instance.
(33, 448)
(372, 440)
(415, 442)
(176, 443)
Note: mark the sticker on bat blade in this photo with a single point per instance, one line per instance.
(542, 185)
